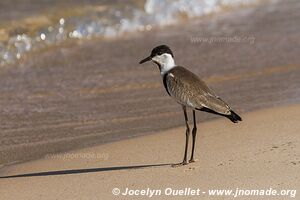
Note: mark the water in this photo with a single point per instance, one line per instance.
(58, 24)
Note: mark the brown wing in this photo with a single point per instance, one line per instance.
(188, 89)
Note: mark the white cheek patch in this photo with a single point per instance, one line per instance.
(166, 62)
(158, 59)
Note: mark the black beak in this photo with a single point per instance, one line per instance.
(145, 59)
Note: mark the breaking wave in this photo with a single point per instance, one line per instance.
(105, 21)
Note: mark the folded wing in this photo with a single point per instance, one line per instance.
(186, 88)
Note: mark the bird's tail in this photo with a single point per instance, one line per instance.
(234, 117)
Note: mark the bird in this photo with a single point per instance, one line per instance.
(187, 89)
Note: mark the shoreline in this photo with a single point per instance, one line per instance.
(245, 155)
(105, 141)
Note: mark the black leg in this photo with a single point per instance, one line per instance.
(194, 132)
(187, 133)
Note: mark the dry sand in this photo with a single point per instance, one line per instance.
(262, 152)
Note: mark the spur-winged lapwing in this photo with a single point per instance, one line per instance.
(189, 91)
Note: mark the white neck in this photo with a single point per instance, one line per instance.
(165, 61)
(167, 66)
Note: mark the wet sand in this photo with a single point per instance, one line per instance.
(94, 92)
(260, 153)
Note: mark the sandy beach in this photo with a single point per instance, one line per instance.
(89, 93)
(260, 153)
(71, 113)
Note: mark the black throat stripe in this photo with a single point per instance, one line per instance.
(165, 82)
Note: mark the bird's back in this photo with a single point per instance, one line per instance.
(186, 88)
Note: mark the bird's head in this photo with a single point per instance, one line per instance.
(163, 57)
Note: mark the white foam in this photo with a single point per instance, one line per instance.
(111, 23)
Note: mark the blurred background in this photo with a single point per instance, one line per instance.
(69, 73)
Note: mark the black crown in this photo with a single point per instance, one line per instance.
(159, 50)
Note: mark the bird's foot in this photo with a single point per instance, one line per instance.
(180, 164)
(192, 160)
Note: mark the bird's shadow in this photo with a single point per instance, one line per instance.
(82, 171)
